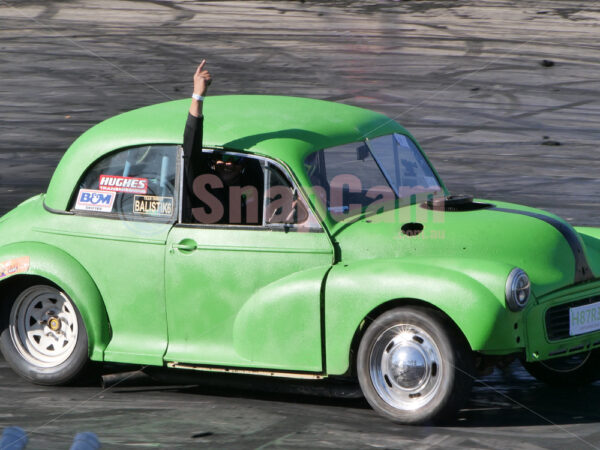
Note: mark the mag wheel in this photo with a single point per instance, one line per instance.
(412, 366)
(44, 339)
(573, 370)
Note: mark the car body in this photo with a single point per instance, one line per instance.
(397, 283)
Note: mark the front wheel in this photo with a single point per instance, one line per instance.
(571, 371)
(413, 367)
(44, 338)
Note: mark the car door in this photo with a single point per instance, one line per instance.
(249, 295)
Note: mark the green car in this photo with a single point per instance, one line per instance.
(314, 240)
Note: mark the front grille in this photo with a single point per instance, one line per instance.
(557, 318)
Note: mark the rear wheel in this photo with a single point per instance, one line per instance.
(43, 337)
(574, 370)
(413, 367)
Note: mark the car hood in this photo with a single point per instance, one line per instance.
(549, 249)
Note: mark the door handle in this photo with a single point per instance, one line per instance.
(187, 245)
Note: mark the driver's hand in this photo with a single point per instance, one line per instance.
(202, 79)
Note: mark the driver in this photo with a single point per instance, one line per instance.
(227, 171)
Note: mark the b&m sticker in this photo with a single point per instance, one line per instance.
(128, 185)
(152, 206)
(91, 200)
(14, 266)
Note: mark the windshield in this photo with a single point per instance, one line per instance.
(363, 177)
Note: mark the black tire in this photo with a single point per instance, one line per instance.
(35, 357)
(568, 371)
(413, 393)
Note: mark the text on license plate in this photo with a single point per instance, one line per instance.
(584, 319)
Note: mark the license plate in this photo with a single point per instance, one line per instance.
(584, 319)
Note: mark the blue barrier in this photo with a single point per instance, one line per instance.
(85, 441)
(13, 438)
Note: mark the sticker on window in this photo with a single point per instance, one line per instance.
(91, 200)
(14, 266)
(128, 185)
(153, 206)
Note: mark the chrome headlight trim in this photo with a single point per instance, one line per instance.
(518, 290)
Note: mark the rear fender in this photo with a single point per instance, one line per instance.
(55, 265)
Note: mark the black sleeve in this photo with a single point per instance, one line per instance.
(192, 151)
(192, 137)
(192, 147)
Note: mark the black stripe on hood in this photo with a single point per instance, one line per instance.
(583, 272)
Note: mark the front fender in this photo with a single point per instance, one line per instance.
(63, 270)
(591, 240)
(472, 297)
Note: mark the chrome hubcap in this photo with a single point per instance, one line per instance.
(406, 366)
(43, 326)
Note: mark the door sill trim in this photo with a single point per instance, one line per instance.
(262, 372)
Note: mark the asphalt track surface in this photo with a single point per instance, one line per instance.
(467, 78)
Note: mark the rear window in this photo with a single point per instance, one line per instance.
(134, 183)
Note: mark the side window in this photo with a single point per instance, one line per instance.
(234, 189)
(347, 178)
(227, 189)
(136, 183)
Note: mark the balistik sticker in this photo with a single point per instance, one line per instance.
(153, 206)
(128, 185)
(14, 266)
(91, 200)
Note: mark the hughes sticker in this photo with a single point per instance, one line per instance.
(14, 266)
(129, 185)
(153, 206)
(91, 200)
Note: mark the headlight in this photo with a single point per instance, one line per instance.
(518, 289)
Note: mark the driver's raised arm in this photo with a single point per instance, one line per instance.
(192, 137)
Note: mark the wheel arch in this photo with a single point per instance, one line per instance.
(51, 265)
(387, 306)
